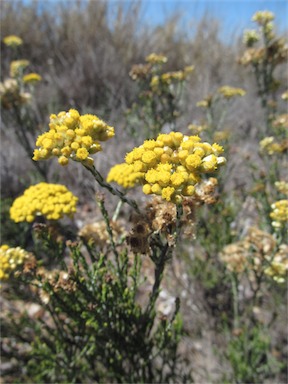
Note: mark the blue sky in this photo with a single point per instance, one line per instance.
(235, 15)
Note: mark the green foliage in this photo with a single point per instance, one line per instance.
(250, 356)
(11, 233)
(98, 332)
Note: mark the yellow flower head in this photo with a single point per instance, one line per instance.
(250, 37)
(12, 41)
(125, 175)
(50, 200)
(17, 67)
(31, 78)
(284, 95)
(10, 260)
(72, 136)
(282, 187)
(171, 165)
(229, 92)
(263, 17)
(205, 103)
(279, 265)
(153, 58)
(279, 213)
(270, 147)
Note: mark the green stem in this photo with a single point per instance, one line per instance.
(98, 177)
(117, 210)
(234, 282)
(104, 212)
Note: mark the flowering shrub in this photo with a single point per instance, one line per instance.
(100, 300)
(157, 104)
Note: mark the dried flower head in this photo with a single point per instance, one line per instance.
(172, 164)
(50, 200)
(280, 121)
(235, 256)
(96, 233)
(11, 259)
(161, 215)
(11, 95)
(57, 280)
(138, 237)
(72, 136)
(140, 71)
(263, 243)
(258, 252)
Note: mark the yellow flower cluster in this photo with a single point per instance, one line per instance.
(229, 92)
(10, 259)
(169, 77)
(282, 187)
(250, 37)
(31, 78)
(12, 41)
(72, 136)
(221, 135)
(263, 17)
(50, 200)
(11, 95)
(196, 129)
(284, 95)
(279, 265)
(124, 175)
(153, 58)
(171, 165)
(17, 67)
(270, 147)
(205, 103)
(279, 213)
